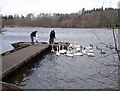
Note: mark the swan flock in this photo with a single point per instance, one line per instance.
(74, 50)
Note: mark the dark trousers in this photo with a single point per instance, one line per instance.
(32, 40)
(51, 40)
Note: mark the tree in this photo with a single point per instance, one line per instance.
(31, 15)
(10, 17)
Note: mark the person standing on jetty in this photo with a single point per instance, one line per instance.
(52, 37)
(32, 36)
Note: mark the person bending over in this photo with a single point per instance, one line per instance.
(33, 35)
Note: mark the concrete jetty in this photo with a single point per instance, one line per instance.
(12, 61)
(9, 87)
(22, 53)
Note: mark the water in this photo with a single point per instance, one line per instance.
(62, 72)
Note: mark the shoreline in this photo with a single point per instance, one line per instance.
(68, 27)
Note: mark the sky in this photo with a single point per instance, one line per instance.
(24, 7)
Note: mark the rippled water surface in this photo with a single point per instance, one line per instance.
(78, 72)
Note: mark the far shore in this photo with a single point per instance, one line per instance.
(69, 27)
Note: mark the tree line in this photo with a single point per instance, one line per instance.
(95, 18)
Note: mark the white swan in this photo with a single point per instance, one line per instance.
(52, 49)
(84, 51)
(68, 50)
(89, 48)
(81, 48)
(91, 51)
(77, 51)
(62, 51)
(69, 53)
(75, 45)
(71, 45)
(57, 52)
(78, 54)
(90, 54)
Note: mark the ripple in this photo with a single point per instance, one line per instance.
(68, 72)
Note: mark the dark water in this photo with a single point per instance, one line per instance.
(58, 72)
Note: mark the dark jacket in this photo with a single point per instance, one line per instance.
(52, 34)
(33, 33)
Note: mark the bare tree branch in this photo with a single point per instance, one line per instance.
(115, 42)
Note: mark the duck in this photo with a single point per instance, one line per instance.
(110, 46)
(102, 51)
(97, 48)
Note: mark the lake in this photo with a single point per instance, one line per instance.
(62, 72)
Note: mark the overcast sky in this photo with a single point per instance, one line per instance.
(52, 6)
